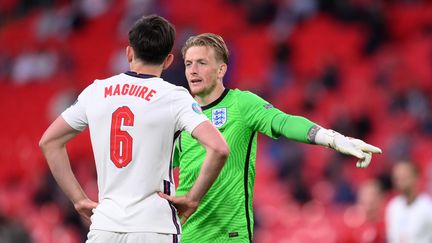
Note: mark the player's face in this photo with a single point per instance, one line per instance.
(369, 198)
(202, 70)
(404, 178)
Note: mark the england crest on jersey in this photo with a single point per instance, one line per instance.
(219, 117)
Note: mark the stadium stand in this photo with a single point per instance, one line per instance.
(362, 68)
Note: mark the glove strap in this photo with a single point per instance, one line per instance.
(322, 136)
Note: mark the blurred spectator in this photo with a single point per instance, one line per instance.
(55, 23)
(94, 8)
(57, 211)
(34, 65)
(388, 33)
(368, 13)
(373, 17)
(280, 72)
(289, 13)
(417, 105)
(60, 101)
(176, 73)
(7, 9)
(409, 214)
(369, 209)
(24, 6)
(12, 231)
(330, 76)
(370, 199)
(118, 63)
(358, 127)
(344, 192)
(400, 146)
(67, 64)
(134, 10)
(289, 159)
(5, 66)
(260, 11)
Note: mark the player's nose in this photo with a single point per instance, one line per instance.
(193, 68)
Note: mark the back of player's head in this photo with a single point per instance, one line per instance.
(152, 39)
(209, 40)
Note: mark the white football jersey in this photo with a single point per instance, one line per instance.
(409, 223)
(133, 119)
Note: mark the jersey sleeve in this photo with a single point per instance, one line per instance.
(292, 127)
(187, 112)
(258, 113)
(75, 115)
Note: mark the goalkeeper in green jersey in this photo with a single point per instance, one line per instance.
(225, 213)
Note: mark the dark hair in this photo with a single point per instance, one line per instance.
(152, 39)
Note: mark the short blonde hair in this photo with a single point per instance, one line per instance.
(210, 40)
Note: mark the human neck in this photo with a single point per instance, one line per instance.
(410, 197)
(205, 99)
(155, 70)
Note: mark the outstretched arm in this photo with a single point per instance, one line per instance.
(301, 129)
(217, 152)
(53, 146)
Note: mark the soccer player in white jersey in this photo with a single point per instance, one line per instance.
(133, 118)
(408, 214)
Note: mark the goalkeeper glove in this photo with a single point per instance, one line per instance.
(347, 145)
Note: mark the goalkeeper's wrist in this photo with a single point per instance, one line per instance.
(322, 136)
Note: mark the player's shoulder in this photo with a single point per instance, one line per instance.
(175, 90)
(240, 92)
(102, 82)
(173, 87)
(395, 202)
(425, 199)
(244, 93)
(245, 97)
(111, 79)
(177, 95)
(152, 81)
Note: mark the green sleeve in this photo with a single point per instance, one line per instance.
(257, 113)
(292, 127)
(176, 154)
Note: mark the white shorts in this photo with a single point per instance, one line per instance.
(101, 236)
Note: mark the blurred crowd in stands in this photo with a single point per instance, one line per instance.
(360, 67)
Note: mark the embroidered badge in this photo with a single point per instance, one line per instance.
(268, 106)
(219, 117)
(196, 108)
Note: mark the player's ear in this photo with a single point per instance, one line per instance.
(129, 54)
(168, 61)
(222, 70)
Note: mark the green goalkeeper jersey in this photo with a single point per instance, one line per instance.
(225, 213)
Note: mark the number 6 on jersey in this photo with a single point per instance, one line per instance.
(121, 141)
